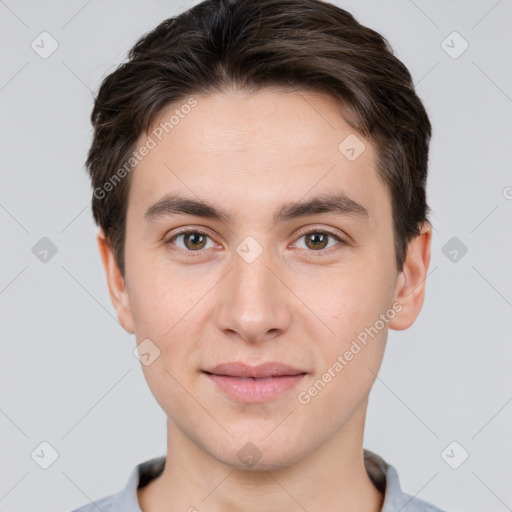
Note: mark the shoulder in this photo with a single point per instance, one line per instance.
(104, 504)
(385, 477)
(414, 504)
(122, 501)
(126, 499)
(398, 500)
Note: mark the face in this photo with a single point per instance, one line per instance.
(257, 278)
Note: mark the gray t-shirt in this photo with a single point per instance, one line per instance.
(383, 475)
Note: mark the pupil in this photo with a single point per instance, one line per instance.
(322, 242)
(191, 236)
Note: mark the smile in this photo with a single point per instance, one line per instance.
(255, 389)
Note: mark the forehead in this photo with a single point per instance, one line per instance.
(273, 119)
(251, 149)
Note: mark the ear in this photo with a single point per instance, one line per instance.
(410, 289)
(116, 284)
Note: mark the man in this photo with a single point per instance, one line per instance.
(259, 172)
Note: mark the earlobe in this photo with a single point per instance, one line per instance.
(410, 290)
(116, 284)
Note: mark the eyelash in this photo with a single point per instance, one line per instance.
(190, 254)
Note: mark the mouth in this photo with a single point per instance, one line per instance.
(261, 371)
(254, 384)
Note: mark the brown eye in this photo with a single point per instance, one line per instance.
(193, 241)
(317, 241)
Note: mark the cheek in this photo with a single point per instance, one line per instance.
(164, 386)
(350, 363)
(157, 300)
(357, 309)
(349, 300)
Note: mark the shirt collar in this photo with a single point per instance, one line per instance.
(383, 475)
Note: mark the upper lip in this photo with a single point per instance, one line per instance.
(239, 369)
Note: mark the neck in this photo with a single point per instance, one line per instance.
(332, 473)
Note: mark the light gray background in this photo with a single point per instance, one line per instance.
(67, 372)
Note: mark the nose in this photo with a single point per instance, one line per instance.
(254, 302)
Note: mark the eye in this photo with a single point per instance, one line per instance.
(318, 240)
(193, 240)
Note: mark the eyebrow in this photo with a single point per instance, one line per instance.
(337, 204)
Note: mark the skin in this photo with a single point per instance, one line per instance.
(250, 154)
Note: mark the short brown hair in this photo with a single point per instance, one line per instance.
(249, 45)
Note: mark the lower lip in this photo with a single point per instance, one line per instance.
(255, 390)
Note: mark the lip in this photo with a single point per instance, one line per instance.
(254, 384)
(239, 369)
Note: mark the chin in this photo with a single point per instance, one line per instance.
(259, 455)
